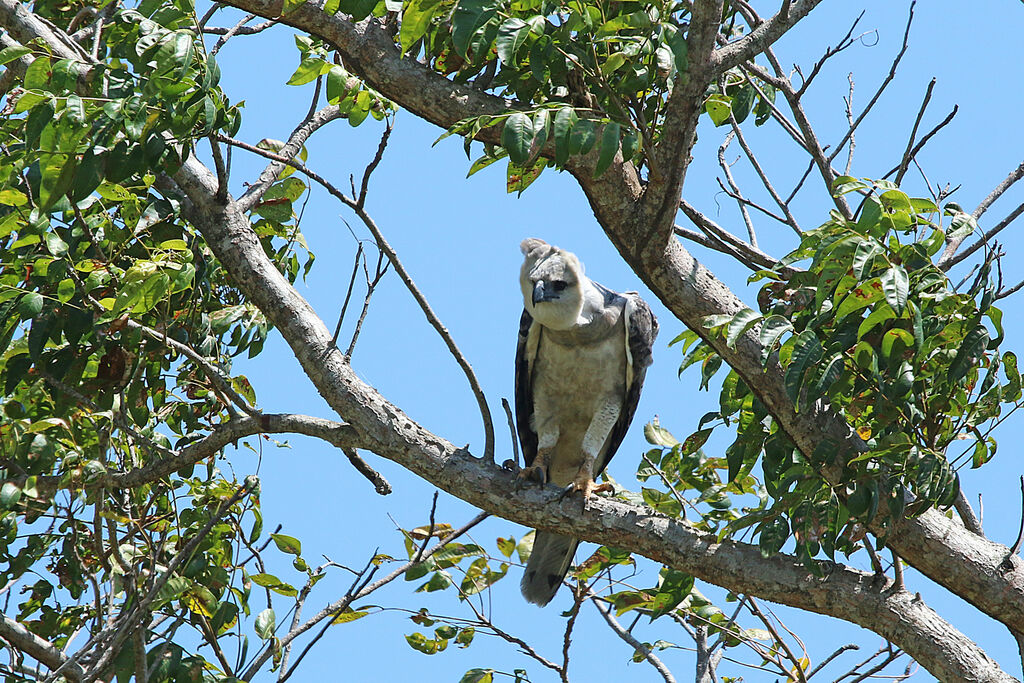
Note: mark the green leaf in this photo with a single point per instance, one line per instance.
(583, 137)
(741, 322)
(275, 584)
(57, 171)
(609, 146)
(742, 101)
(309, 68)
(565, 119)
(287, 544)
(859, 297)
(773, 327)
(9, 54)
(517, 137)
(337, 84)
(833, 369)
(718, 108)
(416, 16)
(896, 341)
(478, 676)
(864, 256)
(896, 285)
(659, 436)
(30, 305)
(265, 624)
(970, 351)
(773, 535)
(468, 18)
(512, 33)
(519, 178)
(806, 352)
(12, 197)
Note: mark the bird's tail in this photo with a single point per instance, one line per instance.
(547, 566)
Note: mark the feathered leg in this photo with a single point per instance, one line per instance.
(593, 441)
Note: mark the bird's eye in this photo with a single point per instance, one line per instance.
(559, 285)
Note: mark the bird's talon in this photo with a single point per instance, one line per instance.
(534, 473)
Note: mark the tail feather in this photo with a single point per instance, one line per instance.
(547, 566)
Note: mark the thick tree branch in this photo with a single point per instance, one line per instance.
(660, 200)
(947, 553)
(23, 640)
(762, 36)
(846, 593)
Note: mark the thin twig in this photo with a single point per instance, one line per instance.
(338, 606)
(348, 295)
(905, 161)
(512, 430)
(380, 484)
(967, 516)
(1015, 175)
(631, 639)
(881, 88)
(752, 606)
(824, 662)
(385, 247)
(1020, 533)
(924, 141)
(371, 286)
(790, 219)
(853, 140)
(949, 260)
(229, 33)
(727, 170)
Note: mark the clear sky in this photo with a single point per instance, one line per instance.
(459, 240)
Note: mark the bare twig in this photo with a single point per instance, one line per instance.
(371, 286)
(631, 640)
(797, 668)
(853, 140)
(748, 253)
(380, 484)
(348, 295)
(967, 516)
(923, 141)
(340, 605)
(229, 33)
(950, 258)
(824, 662)
(790, 219)
(1020, 533)
(727, 170)
(512, 430)
(904, 164)
(241, 31)
(881, 88)
(385, 247)
(997, 192)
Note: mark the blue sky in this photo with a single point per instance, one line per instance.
(459, 240)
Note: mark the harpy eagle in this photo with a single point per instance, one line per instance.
(582, 355)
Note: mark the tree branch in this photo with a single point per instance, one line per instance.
(43, 651)
(847, 594)
(762, 36)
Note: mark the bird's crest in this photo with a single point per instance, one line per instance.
(537, 250)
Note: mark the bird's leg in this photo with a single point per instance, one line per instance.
(538, 469)
(594, 439)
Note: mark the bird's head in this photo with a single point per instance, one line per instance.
(551, 280)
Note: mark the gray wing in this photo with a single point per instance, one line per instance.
(641, 331)
(524, 393)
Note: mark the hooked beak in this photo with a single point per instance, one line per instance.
(543, 293)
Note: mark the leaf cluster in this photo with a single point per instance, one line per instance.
(872, 329)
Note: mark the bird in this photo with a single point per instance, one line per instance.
(581, 358)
